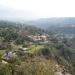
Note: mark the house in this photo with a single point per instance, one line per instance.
(38, 38)
(23, 49)
(8, 55)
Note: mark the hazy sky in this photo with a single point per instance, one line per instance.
(34, 9)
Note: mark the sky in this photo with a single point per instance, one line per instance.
(35, 9)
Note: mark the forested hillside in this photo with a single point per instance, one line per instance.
(28, 50)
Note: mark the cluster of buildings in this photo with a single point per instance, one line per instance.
(38, 38)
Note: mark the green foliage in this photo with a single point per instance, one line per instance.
(5, 69)
(5, 45)
(19, 41)
(25, 45)
(33, 66)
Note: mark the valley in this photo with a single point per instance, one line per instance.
(29, 50)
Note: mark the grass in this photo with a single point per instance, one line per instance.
(15, 47)
(34, 48)
(31, 48)
(2, 52)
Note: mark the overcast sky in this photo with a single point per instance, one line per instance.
(34, 9)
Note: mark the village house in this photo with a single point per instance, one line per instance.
(38, 38)
(24, 50)
(8, 55)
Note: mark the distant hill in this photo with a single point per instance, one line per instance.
(65, 25)
(46, 22)
(63, 29)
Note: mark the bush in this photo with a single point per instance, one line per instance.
(25, 45)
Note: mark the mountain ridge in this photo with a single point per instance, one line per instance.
(46, 22)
